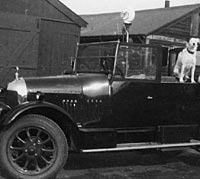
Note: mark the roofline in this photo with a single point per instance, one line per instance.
(62, 8)
(161, 27)
(162, 8)
(112, 35)
(104, 13)
(171, 7)
(175, 20)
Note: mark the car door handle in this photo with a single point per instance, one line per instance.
(149, 97)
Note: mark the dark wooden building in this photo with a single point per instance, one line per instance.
(170, 27)
(39, 36)
(179, 22)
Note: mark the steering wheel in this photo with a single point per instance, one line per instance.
(83, 67)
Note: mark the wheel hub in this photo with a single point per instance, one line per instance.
(32, 150)
(32, 147)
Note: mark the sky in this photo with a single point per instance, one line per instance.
(105, 6)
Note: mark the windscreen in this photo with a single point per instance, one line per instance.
(97, 57)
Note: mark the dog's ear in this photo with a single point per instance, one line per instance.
(197, 40)
(187, 44)
(188, 39)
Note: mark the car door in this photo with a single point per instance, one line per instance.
(134, 92)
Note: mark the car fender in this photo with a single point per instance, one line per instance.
(54, 112)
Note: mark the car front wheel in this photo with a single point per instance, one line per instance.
(33, 147)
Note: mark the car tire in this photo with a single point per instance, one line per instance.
(33, 147)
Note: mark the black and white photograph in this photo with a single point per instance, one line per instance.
(104, 89)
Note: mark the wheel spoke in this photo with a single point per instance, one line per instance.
(20, 139)
(26, 164)
(45, 141)
(29, 135)
(32, 147)
(16, 148)
(45, 160)
(37, 168)
(19, 157)
(48, 150)
(39, 132)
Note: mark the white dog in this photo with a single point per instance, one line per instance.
(186, 63)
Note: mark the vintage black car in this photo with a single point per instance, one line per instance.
(114, 99)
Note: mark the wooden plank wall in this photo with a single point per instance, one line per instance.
(195, 23)
(40, 47)
(18, 45)
(40, 8)
(59, 39)
(32, 38)
(180, 29)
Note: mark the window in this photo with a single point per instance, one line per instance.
(137, 62)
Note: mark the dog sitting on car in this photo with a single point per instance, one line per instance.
(185, 66)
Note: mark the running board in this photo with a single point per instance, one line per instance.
(138, 146)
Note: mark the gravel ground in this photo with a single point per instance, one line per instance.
(137, 165)
(133, 165)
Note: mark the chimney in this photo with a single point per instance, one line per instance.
(167, 3)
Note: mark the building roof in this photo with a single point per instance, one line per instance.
(68, 12)
(146, 22)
